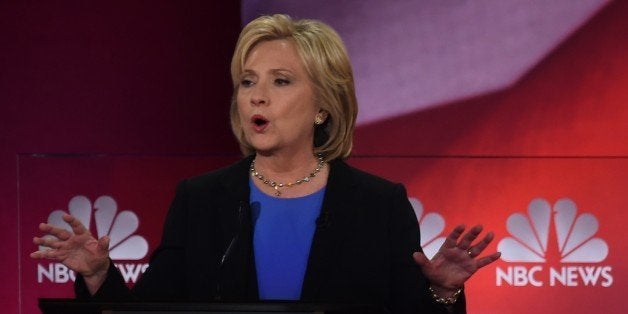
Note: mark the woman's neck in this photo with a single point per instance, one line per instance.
(285, 165)
(287, 169)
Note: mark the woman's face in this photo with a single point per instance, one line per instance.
(276, 99)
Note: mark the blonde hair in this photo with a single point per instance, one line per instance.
(327, 63)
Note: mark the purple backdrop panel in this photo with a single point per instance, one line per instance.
(411, 55)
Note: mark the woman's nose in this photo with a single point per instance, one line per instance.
(258, 101)
(258, 96)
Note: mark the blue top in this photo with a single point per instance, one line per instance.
(282, 237)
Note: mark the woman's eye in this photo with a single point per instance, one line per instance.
(246, 83)
(281, 82)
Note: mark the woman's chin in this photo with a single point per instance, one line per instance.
(263, 149)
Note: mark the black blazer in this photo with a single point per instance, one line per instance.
(361, 251)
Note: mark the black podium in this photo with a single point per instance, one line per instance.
(72, 306)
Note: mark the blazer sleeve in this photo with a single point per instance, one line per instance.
(164, 278)
(409, 287)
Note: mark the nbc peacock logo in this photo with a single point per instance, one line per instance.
(574, 247)
(432, 226)
(124, 245)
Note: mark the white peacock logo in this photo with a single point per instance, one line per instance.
(431, 226)
(119, 227)
(574, 233)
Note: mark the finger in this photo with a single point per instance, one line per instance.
(36, 240)
(420, 259)
(452, 238)
(55, 245)
(40, 254)
(468, 238)
(55, 255)
(60, 233)
(77, 226)
(480, 246)
(481, 262)
(103, 244)
(37, 255)
(47, 241)
(44, 227)
(49, 254)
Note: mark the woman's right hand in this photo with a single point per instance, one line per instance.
(78, 250)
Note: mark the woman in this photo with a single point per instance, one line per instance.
(291, 221)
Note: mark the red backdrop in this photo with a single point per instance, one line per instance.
(109, 77)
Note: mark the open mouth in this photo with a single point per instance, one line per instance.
(259, 122)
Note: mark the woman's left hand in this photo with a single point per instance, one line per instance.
(456, 261)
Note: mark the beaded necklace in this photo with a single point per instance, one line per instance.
(279, 185)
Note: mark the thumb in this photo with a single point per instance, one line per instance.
(103, 244)
(420, 259)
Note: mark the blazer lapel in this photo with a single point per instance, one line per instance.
(329, 230)
(237, 268)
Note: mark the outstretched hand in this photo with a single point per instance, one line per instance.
(78, 250)
(456, 261)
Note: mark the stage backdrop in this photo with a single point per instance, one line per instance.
(555, 219)
(107, 77)
(507, 113)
